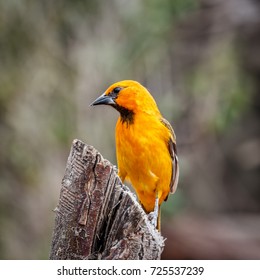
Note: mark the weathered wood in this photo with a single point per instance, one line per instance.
(97, 217)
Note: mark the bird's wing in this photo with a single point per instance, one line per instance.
(173, 153)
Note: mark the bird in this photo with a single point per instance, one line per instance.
(146, 148)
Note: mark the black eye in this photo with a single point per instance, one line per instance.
(114, 92)
(117, 89)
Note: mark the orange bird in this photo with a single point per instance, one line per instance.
(145, 145)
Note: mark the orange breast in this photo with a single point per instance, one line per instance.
(144, 159)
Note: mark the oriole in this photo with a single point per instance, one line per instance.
(145, 144)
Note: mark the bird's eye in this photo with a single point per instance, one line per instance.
(114, 92)
(117, 89)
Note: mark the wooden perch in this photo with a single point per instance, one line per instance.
(97, 217)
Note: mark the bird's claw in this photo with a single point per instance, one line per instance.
(115, 168)
(153, 216)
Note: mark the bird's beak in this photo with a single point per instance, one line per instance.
(103, 99)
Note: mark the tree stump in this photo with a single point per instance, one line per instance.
(97, 217)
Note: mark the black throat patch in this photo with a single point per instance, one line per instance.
(127, 116)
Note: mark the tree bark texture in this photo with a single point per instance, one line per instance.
(97, 217)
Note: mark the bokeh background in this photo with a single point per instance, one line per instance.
(200, 60)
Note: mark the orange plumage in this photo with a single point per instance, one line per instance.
(145, 143)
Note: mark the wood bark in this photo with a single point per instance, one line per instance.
(97, 217)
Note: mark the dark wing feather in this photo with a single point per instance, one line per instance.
(173, 153)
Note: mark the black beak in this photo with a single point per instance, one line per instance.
(103, 99)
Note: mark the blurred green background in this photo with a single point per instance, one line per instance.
(201, 62)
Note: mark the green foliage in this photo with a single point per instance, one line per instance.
(220, 88)
(150, 26)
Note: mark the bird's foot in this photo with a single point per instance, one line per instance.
(115, 168)
(153, 216)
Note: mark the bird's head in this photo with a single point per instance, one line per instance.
(128, 97)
